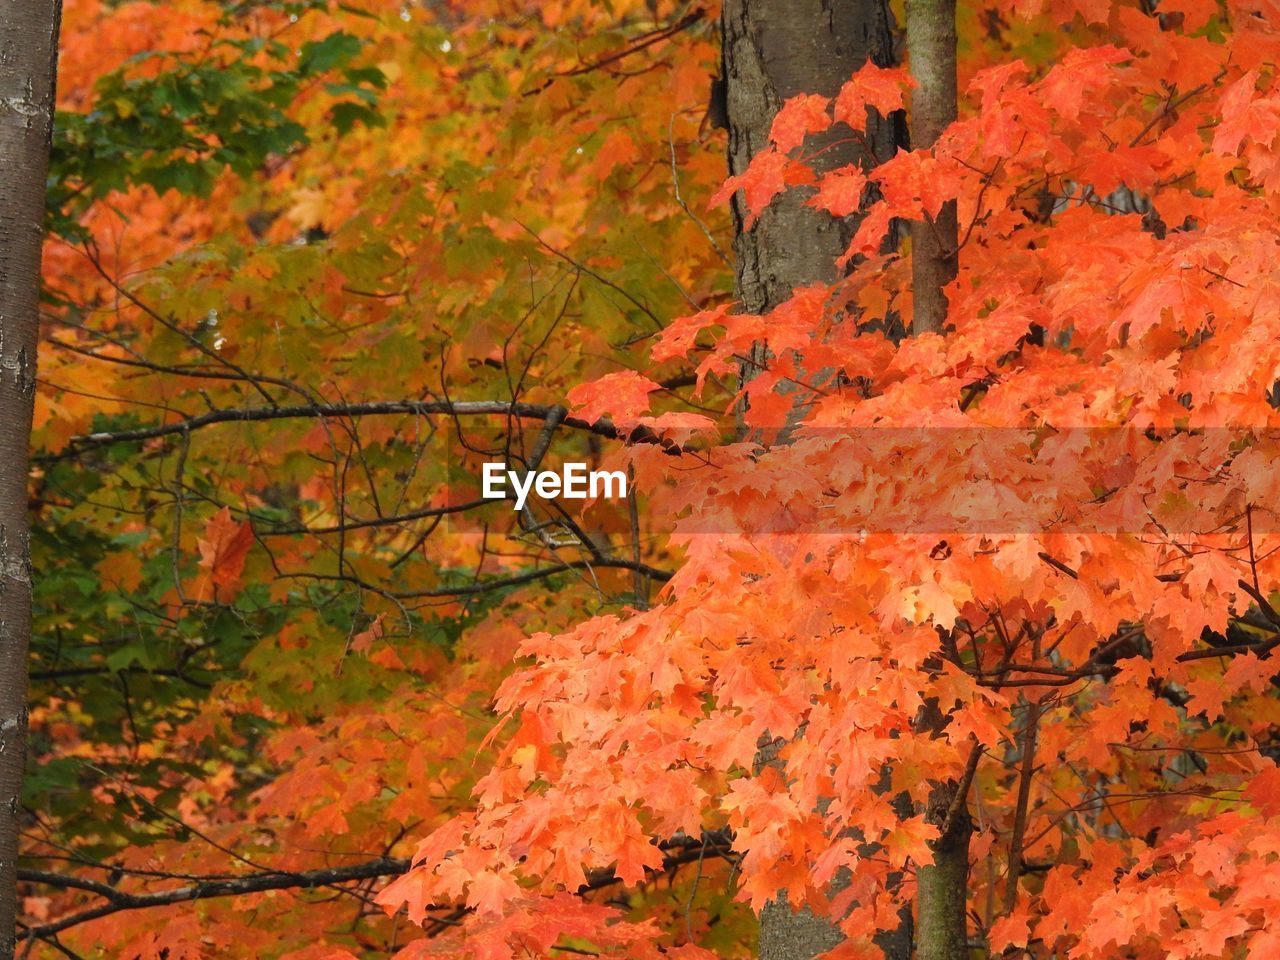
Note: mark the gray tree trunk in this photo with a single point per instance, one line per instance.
(773, 50)
(931, 55)
(28, 66)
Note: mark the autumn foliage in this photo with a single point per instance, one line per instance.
(1033, 559)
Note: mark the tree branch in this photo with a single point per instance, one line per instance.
(962, 792)
(680, 852)
(530, 411)
(118, 900)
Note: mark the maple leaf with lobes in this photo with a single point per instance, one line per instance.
(223, 549)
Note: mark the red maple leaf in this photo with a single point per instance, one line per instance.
(223, 549)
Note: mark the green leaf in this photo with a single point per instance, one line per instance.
(321, 56)
(346, 115)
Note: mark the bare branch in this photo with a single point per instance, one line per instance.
(529, 411)
(680, 851)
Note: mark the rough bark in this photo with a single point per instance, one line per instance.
(773, 50)
(942, 888)
(931, 56)
(28, 64)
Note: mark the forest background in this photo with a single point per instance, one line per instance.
(938, 623)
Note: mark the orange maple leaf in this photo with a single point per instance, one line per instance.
(840, 192)
(764, 178)
(872, 86)
(799, 117)
(624, 394)
(223, 549)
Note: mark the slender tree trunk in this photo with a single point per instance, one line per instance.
(28, 66)
(773, 50)
(931, 55)
(942, 893)
(942, 889)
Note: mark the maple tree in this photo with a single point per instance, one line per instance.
(1030, 618)
(940, 619)
(288, 662)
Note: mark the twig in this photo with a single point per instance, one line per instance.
(962, 791)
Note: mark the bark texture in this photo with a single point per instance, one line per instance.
(28, 65)
(942, 888)
(773, 50)
(931, 56)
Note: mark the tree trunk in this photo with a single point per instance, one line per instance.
(773, 50)
(942, 889)
(28, 66)
(931, 55)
